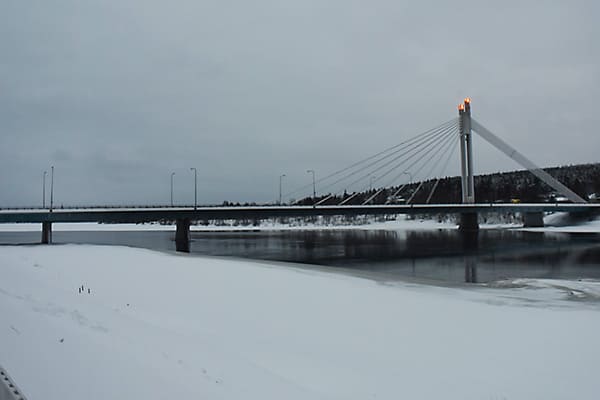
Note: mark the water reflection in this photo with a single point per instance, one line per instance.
(470, 245)
(445, 255)
(442, 255)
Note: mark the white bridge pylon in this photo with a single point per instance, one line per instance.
(467, 125)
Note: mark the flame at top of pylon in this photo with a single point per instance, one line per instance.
(461, 107)
(467, 100)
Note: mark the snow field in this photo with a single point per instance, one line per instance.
(161, 326)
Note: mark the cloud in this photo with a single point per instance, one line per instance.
(119, 94)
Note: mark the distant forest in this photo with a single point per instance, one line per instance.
(522, 186)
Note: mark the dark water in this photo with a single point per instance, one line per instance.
(443, 255)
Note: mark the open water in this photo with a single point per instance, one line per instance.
(446, 256)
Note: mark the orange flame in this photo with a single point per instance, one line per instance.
(467, 100)
(461, 107)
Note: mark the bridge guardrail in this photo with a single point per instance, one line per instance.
(218, 206)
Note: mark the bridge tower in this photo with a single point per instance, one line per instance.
(468, 221)
(466, 152)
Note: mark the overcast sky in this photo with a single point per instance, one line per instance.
(119, 94)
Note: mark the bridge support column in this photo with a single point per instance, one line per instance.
(533, 219)
(468, 222)
(46, 232)
(182, 236)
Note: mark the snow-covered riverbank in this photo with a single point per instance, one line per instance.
(158, 325)
(268, 225)
(558, 222)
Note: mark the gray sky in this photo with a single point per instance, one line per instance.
(118, 94)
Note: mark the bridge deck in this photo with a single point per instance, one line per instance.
(138, 215)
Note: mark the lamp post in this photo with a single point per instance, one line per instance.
(195, 187)
(172, 175)
(44, 190)
(280, 179)
(410, 179)
(314, 187)
(51, 187)
(371, 182)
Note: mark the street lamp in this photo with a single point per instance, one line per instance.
(410, 179)
(195, 187)
(172, 175)
(51, 187)
(280, 179)
(371, 182)
(314, 187)
(44, 190)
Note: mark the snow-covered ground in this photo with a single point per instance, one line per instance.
(163, 326)
(562, 222)
(86, 226)
(557, 222)
(268, 225)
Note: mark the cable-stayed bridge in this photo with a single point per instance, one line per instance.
(424, 156)
(423, 159)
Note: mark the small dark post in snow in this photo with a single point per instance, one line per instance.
(88, 290)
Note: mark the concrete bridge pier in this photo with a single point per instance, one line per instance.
(468, 222)
(46, 232)
(182, 235)
(533, 219)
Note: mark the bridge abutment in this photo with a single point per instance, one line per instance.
(533, 219)
(182, 236)
(46, 232)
